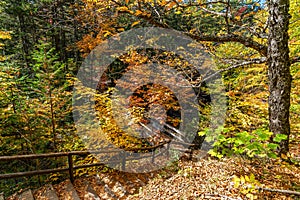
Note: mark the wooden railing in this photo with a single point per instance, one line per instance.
(70, 168)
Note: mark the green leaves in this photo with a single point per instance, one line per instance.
(257, 143)
(263, 135)
(279, 137)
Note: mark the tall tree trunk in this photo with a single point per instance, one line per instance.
(279, 71)
(25, 41)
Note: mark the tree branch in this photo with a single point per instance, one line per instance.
(295, 60)
(247, 42)
(216, 13)
(280, 191)
(248, 62)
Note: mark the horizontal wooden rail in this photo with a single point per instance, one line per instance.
(32, 173)
(56, 155)
(122, 160)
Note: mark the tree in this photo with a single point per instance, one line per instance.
(222, 23)
(279, 71)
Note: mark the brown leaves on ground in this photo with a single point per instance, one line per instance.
(213, 179)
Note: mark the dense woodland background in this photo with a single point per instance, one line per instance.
(44, 42)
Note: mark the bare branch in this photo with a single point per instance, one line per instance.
(248, 62)
(156, 12)
(278, 190)
(192, 4)
(248, 42)
(216, 13)
(295, 60)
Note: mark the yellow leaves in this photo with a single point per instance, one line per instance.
(294, 31)
(121, 29)
(236, 181)
(135, 23)
(123, 8)
(238, 18)
(135, 58)
(110, 129)
(178, 12)
(251, 196)
(5, 35)
(247, 185)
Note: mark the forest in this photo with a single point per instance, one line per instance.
(215, 76)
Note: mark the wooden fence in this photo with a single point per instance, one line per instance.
(70, 168)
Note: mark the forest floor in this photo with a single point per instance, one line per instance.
(227, 178)
(203, 177)
(234, 178)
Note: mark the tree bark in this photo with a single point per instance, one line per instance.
(279, 71)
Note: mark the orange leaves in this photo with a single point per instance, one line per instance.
(87, 44)
(139, 13)
(97, 17)
(172, 4)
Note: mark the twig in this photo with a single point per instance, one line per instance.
(253, 61)
(214, 196)
(227, 197)
(216, 13)
(295, 60)
(278, 190)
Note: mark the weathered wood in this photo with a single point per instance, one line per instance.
(32, 156)
(61, 154)
(70, 163)
(123, 161)
(71, 167)
(153, 157)
(32, 173)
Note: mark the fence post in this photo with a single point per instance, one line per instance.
(124, 161)
(70, 162)
(168, 149)
(153, 156)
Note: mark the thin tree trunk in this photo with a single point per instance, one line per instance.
(279, 71)
(25, 42)
(52, 118)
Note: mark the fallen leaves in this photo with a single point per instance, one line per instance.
(214, 179)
